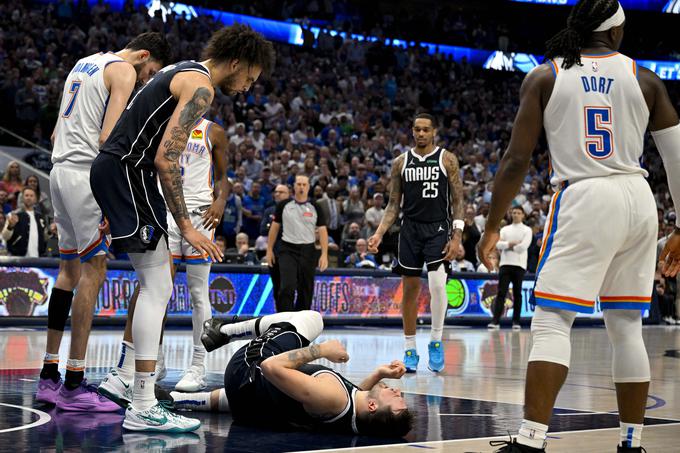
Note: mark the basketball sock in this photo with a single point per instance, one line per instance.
(532, 434)
(631, 435)
(75, 373)
(202, 401)
(126, 363)
(143, 396)
(198, 358)
(409, 342)
(240, 329)
(437, 283)
(50, 369)
(308, 323)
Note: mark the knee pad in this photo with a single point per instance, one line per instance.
(630, 362)
(551, 336)
(58, 309)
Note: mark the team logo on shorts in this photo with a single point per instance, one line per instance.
(146, 233)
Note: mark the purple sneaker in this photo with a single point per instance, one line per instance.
(84, 398)
(48, 391)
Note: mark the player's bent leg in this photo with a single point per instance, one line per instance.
(437, 283)
(58, 311)
(197, 278)
(630, 372)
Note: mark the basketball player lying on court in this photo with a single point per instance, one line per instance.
(273, 372)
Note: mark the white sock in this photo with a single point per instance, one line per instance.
(240, 329)
(198, 358)
(126, 363)
(409, 342)
(631, 435)
(532, 434)
(143, 396)
(437, 283)
(308, 323)
(199, 401)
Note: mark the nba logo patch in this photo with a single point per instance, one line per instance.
(197, 134)
(595, 66)
(146, 233)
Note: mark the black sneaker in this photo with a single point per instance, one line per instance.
(620, 449)
(211, 337)
(511, 446)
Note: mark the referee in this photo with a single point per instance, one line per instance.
(299, 217)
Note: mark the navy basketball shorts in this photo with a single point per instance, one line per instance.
(130, 200)
(421, 244)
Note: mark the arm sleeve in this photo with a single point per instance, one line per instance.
(320, 216)
(278, 212)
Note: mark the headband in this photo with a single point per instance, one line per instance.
(614, 21)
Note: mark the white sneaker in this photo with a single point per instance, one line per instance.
(161, 371)
(145, 442)
(117, 388)
(158, 418)
(668, 320)
(516, 327)
(193, 380)
(492, 326)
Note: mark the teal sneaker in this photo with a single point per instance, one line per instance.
(411, 359)
(436, 352)
(158, 418)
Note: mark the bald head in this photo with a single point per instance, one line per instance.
(281, 192)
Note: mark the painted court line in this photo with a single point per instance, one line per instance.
(43, 418)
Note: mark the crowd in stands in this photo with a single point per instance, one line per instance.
(336, 111)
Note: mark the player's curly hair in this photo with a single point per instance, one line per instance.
(585, 17)
(240, 42)
(385, 423)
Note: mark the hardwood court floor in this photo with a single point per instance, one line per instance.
(476, 399)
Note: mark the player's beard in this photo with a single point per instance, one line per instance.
(227, 85)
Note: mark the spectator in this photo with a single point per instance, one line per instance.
(233, 215)
(514, 242)
(4, 203)
(221, 244)
(353, 207)
(361, 258)
(471, 235)
(494, 260)
(3, 243)
(460, 264)
(11, 182)
(298, 218)
(252, 165)
(374, 215)
(44, 206)
(350, 236)
(25, 229)
(253, 209)
(241, 253)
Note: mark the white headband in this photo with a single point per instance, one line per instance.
(617, 19)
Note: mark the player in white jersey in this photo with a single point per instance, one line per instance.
(96, 92)
(203, 165)
(599, 244)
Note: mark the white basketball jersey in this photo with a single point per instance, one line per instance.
(82, 110)
(596, 119)
(196, 167)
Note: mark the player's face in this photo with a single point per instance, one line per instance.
(241, 79)
(423, 132)
(390, 396)
(146, 70)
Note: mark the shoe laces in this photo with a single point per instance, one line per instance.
(506, 445)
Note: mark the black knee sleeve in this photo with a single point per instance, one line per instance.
(58, 309)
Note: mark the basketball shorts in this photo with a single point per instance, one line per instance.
(130, 200)
(599, 246)
(248, 392)
(183, 251)
(421, 244)
(76, 214)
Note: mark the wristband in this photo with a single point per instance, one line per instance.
(458, 225)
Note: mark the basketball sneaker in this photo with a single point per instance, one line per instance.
(436, 360)
(620, 449)
(492, 326)
(516, 327)
(119, 390)
(193, 380)
(511, 446)
(144, 442)
(411, 359)
(161, 371)
(48, 390)
(211, 337)
(84, 398)
(158, 418)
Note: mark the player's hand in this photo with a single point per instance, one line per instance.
(395, 370)
(270, 259)
(204, 245)
(451, 248)
(323, 262)
(374, 242)
(486, 246)
(104, 226)
(669, 260)
(212, 216)
(334, 351)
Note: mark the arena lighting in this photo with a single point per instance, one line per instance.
(291, 33)
(663, 6)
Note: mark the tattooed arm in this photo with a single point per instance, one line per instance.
(393, 206)
(457, 202)
(322, 395)
(194, 94)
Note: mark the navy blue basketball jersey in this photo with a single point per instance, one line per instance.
(136, 136)
(425, 187)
